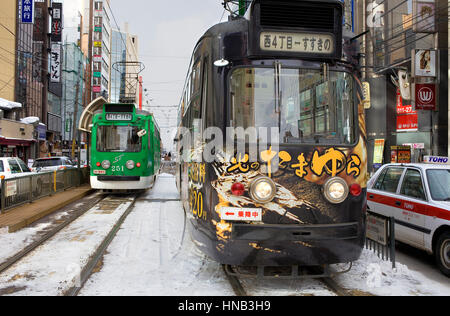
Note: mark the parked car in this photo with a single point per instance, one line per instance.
(418, 197)
(52, 164)
(11, 167)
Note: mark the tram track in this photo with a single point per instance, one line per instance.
(31, 247)
(88, 269)
(105, 203)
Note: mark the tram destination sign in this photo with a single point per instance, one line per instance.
(119, 116)
(297, 42)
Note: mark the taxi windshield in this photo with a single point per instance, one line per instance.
(439, 182)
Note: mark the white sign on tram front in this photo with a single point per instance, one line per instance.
(297, 42)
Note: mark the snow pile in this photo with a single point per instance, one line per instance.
(9, 105)
(372, 275)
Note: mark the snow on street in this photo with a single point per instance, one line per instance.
(54, 267)
(152, 254)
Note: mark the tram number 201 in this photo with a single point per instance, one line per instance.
(196, 204)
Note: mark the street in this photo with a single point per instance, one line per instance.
(152, 255)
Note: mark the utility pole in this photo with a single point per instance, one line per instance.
(90, 48)
(45, 52)
(75, 111)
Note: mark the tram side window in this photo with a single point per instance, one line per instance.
(389, 179)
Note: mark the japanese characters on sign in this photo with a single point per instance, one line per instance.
(297, 42)
(57, 22)
(119, 117)
(26, 12)
(332, 162)
(55, 66)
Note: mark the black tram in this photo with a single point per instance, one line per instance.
(286, 71)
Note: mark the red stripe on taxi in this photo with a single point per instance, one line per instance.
(423, 209)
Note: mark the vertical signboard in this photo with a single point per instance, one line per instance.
(57, 22)
(26, 11)
(407, 118)
(424, 63)
(55, 67)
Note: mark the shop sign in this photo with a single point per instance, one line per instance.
(97, 89)
(55, 74)
(42, 132)
(425, 96)
(400, 154)
(425, 11)
(26, 11)
(407, 123)
(403, 109)
(57, 22)
(11, 188)
(378, 153)
(425, 63)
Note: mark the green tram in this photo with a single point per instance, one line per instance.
(126, 148)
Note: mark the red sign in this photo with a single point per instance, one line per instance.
(408, 122)
(97, 89)
(425, 96)
(403, 109)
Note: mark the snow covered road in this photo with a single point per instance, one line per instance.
(151, 255)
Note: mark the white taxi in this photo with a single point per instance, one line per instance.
(418, 197)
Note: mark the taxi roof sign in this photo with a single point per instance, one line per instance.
(436, 160)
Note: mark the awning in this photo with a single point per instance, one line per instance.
(9, 105)
(85, 124)
(16, 142)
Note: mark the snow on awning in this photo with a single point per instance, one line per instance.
(30, 120)
(9, 105)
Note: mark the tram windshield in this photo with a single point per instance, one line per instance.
(115, 138)
(302, 103)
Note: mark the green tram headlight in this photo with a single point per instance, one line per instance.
(336, 190)
(130, 164)
(263, 190)
(106, 164)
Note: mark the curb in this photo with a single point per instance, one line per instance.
(28, 221)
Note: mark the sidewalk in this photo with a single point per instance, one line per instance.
(24, 215)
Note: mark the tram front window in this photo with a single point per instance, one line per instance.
(300, 102)
(118, 139)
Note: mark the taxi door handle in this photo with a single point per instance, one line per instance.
(398, 203)
(371, 196)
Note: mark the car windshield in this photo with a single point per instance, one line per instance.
(114, 138)
(303, 104)
(53, 162)
(439, 183)
(2, 169)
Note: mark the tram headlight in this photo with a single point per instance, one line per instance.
(130, 164)
(263, 190)
(106, 164)
(336, 190)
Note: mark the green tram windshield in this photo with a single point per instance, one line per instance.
(119, 139)
(305, 106)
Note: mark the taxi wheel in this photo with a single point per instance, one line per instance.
(442, 253)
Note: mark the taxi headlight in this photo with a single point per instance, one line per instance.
(336, 190)
(263, 190)
(130, 164)
(106, 164)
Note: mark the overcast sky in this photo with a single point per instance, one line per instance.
(168, 32)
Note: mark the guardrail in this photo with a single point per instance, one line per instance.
(380, 236)
(26, 189)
